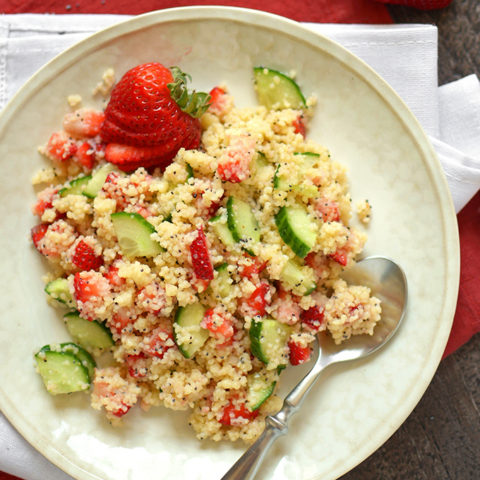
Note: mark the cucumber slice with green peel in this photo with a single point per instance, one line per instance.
(187, 332)
(134, 235)
(297, 229)
(62, 372)
(189, 171)
(58, 289)
(85, 358)
(281, 183)
(97, 181)
(76, 186)
(241, 221)
(219, 226)
(268, 339)
(298, 278)
(277, 91)
(260, 387)
(89, 334)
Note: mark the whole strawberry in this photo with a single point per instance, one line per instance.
(420, 4)
(152, 113)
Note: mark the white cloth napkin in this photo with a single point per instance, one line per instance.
(405, 55)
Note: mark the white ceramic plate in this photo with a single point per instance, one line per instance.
(366, 126)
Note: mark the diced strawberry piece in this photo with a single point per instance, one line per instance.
(38, 232)
(84, 257)
(60, 147)
(299, 126)
(137, 367)
(202, 265)
(86, 286)
(218, 101)
(313, 317)
(120, 321)
(340, 256)
(151, 298)
(328, 210)
(231, 414)
(122, 410)
(257, 300)
(85, 155)
(112, 276)
(83, 122)
(234, 166)
(298, 354)
(44, 201)
(255, 267)
(158, 343)
(219, 325)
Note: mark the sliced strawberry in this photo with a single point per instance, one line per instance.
(232, 413)
(44, 201)
(85, 155)
(201, 262)
(299, 126)
(60, 147)
(298, 354)
(220, 326)
(121, 321)
(257, 300)
(38, 232)
(313, 317)
(147, 108)
(128, 158)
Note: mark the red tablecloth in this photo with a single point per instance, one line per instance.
(339, 11)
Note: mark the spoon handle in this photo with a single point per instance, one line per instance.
(276, 425)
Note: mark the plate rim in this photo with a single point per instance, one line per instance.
(413, 128)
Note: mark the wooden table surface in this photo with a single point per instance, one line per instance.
(440, 440)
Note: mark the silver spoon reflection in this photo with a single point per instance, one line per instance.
(387, 282)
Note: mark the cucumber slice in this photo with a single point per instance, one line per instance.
(75, 187)
(261, 161)
(268, 339)
(219, 226)
(85, 358)
(241, 221)
(298, 278)
(191, 336)
(260, 387)
(134, 235)
(222, 283)
(58, 289)
(276, 90)
(281, 183)
(189, 171)
(297, 229)
(89, 334)
(98, 179)
(62, 372)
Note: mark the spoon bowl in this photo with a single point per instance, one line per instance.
(388, 283)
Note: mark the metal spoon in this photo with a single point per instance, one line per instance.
(388, 283)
